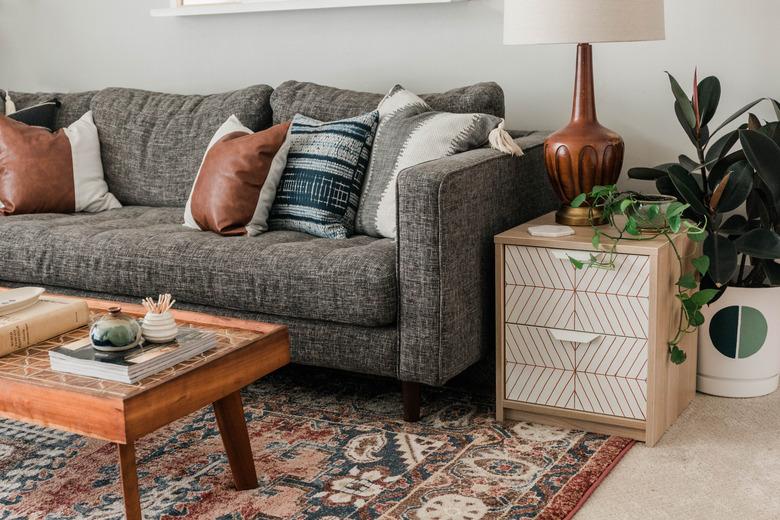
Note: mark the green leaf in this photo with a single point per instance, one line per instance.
(695, 233)
(687, 281)
(734, 225)
(631, 227)
(739, 183)
(675, 223)
(578, 200)
(772, 272)
(688, 163)
(690, 132)
(704, 296)
(702, 264)
(665, 186)
(738, 113)
(677, 355)
(625, 204)
(576, 263)
(685, 103)
(721, 147)
(759, 243)
(596, 240)
(687, 186)
(676, 208)
(709, 98)
(764, 156)
(697, 320)
(653, 211)
(646, 174)
(603, 191)
(723, 258)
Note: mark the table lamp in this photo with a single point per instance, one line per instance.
(584, 154)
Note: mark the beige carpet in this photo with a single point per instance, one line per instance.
(721, 460)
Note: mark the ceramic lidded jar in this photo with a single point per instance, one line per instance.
(115, 332)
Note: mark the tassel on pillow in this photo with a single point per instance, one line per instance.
(10, 107)
(501, 140)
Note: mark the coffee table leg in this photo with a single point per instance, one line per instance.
(230, 418)
(129, 475)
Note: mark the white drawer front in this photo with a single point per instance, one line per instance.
(630, 277)
(609, 395)
(539, 385)
(536, 346)
(612, 314)
(538, 267)
(543, 289)
(539, 306)
(595, 373)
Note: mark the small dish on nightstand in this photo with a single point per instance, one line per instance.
(550, 231)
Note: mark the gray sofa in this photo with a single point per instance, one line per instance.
(419, 308)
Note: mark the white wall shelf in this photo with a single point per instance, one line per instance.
(254, 6)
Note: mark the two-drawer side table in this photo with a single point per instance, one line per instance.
(587, 348)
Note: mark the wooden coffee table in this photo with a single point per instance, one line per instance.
(31, 392)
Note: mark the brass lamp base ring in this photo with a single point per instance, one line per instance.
(569, 216)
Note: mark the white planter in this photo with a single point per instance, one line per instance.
(739, 343)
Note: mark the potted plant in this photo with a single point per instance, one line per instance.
(647, 217)
(732, 190)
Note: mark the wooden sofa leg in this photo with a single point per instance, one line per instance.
(411, 395)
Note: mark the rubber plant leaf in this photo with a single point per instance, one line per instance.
(688, 188)
(723, 263)
(686, 107)
(709, 98)
(759, 243)
(764, 155)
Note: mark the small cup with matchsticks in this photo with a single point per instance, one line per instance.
(159, 325)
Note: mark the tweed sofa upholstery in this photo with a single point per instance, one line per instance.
(418, 308)
(132, 249)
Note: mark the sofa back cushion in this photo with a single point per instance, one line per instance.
(72, 106)
(152, 143)
(330, 104)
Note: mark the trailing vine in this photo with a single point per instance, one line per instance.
(633, 227)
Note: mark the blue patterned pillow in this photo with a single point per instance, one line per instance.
(320, 188)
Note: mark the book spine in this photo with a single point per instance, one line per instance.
(17, 336)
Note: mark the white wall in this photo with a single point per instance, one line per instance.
(85, 44)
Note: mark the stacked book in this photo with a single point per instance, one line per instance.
(45, 318)
(133, 365)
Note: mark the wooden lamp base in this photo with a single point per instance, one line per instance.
(584, 154)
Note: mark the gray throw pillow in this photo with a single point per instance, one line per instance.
(410, 132)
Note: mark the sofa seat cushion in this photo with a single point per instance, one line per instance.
(141, 251)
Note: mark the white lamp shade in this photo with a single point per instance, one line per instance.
(529, 22)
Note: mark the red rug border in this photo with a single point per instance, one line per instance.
(586, 495)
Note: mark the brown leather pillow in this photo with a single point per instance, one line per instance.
(226, 193)
(44, 172)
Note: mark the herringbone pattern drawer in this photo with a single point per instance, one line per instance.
(589, 372)
(543, 289)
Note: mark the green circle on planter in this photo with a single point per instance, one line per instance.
(738, 332)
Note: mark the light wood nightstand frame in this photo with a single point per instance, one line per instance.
(670, 388)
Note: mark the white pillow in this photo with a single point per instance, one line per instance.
(92, 195)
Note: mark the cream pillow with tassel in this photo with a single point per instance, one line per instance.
(410, 133)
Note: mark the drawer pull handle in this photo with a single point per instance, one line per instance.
(563, 254)
(574, 336)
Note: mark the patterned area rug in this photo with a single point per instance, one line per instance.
(327, 445)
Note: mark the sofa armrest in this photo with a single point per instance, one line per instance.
(449, 210)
